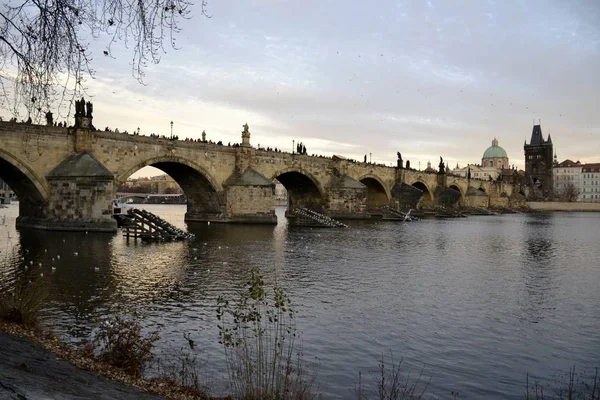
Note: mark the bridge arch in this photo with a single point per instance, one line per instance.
(31, 190)
(378, 194)
(427, 200)
(457, 188)
(203, 192)
(304, 190)
(21, 178)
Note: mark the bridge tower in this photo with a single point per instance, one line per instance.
(538, 163)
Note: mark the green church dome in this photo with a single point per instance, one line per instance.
(495, 151)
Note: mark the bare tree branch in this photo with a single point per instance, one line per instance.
(45, 55)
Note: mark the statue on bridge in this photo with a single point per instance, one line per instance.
(441, 166)
(400, 163)
(407, 164)
(49, 119)
(83, 119)
(80, 107)
(203, 136)
(246, 136)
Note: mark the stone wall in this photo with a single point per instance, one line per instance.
(477, 201)
(562, 206)
(405, 197)
(346, 202)
(250, 204)
(499, 202)
(75, 204)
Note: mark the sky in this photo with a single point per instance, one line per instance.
(425, 78)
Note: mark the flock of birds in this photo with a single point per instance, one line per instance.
(27, 264)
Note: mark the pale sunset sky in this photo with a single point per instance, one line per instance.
(426, 78)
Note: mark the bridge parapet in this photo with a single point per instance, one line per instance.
(208, 174)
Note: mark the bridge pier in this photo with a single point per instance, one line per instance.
(81, 191)
(346, 199)
(247, 198)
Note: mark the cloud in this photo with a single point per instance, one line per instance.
(424, 79)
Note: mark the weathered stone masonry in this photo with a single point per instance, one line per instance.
(65, 178)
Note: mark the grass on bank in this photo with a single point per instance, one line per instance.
(23, 303)
(573, 385)
(393, 383)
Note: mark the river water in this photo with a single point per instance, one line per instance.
(476, 303)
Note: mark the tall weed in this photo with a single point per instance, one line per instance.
(23, 303)
(258, 333)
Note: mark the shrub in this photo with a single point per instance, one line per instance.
(22, 304)
(393, 384)
(120, 343)
(258, 334)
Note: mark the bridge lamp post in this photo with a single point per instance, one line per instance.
(293, 144)
(369, 158)
(171, 130)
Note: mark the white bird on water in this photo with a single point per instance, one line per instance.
(30, 262)
(76, 254)
(53, 269)
(96, 269)
(41, 274)
(58, 257)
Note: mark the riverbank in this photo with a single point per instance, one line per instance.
(35, 365)
(563, 206)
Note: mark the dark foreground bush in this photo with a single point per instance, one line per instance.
(22, 304)
(120, 343)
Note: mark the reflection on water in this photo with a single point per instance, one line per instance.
(481, 301)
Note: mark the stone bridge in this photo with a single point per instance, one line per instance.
(65, 179)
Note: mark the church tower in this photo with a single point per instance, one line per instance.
(538, 162)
